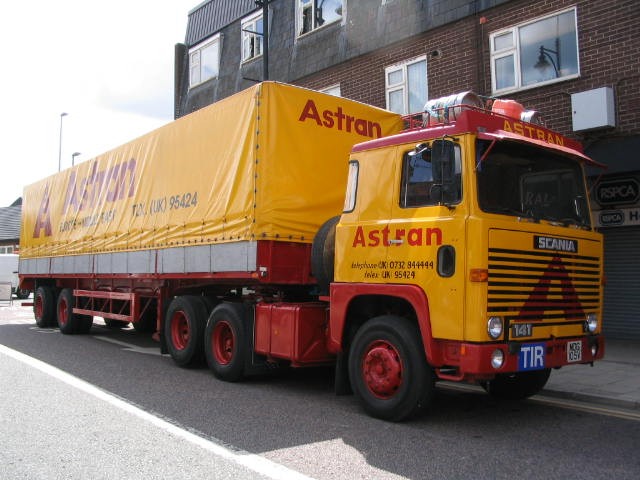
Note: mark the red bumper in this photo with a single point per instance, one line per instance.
(472, 362)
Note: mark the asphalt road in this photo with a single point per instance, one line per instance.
(106, 410)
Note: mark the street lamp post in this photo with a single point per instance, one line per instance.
(73, 158)
(62, 115)
(546, 53)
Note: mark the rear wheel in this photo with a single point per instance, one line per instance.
(517, 386)
(388, 369)
(22, 294)
(184, 329)
(226, 342)
(44, 307)
(69, 322)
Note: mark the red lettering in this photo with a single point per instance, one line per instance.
(416, 237)
(374, 238)
(43, 220)
(339, 120)
(385, 236)
(358, 239)
(70, 198)
(328, 119)
(310, 111)
(434, 233)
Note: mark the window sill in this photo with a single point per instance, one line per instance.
(507, 91)
(318, 29)
(251, 60)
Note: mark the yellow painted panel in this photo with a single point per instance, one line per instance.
(268, 162)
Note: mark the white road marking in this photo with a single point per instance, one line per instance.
(253, 462)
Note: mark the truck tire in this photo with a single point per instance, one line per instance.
(323, 254)
(22, 294)
(226, 342)
(44, 307)
(388, 370)
(184, 329)
(68, 322)
(517, 386)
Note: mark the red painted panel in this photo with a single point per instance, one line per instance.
(292, 331)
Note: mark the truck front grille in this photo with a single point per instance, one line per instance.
(542, 286)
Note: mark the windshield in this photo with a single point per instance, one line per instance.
(528, 181)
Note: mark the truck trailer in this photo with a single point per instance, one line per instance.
(285, 227)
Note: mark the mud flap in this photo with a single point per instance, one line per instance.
(342, 385)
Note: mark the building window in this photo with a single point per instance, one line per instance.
(332, 90)
(535, 53)
(204, 61)
(313, 14)
(252, 35)
(406, 86)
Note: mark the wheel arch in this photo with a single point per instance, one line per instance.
(352, 305)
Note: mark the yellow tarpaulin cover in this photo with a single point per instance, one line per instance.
(267, 163)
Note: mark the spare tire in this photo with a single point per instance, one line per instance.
(323, 254)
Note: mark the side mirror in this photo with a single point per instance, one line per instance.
(444, 169)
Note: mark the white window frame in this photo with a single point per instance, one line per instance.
(514, 52)
(403, 85)
(196, 73)
(248, 26)
(301, 5)
(332, 90)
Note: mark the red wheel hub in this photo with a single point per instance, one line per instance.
(180, 331)
(39, 306)
(63, 314)
(222, 340)
(382, 369)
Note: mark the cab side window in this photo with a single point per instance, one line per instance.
(430, 176)
(417, 181)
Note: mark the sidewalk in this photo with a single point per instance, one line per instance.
(614, 380)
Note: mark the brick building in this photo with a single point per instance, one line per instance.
(576, 62)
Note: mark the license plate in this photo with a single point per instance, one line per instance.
(531, 356)
(574, 351)
(521, 330)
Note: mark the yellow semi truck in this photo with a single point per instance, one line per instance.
(464, 251)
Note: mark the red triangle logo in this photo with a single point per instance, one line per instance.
(554, 291)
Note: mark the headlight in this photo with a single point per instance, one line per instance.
(592, 322)
(494, 327)
(497, 359)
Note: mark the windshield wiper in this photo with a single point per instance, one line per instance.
(516, 212)
(565, 222)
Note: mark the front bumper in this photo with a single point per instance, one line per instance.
(472, 361)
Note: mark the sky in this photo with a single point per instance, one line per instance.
(107, 64)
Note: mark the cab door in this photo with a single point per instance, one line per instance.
(426, 245)
(363, 232)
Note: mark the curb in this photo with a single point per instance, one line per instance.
(597, 399)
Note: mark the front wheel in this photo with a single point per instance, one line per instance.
(516, 386)
(388, 369)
